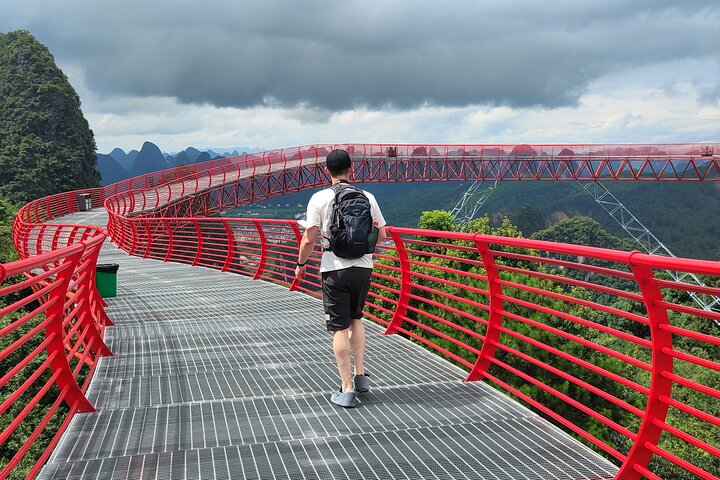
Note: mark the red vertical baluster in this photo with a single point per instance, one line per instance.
(198, 254)
(87, 315)
(492, 333)
(56, 348)
(298, 238)
(54, 245)
(149, 240)
(171, 240)
(655, 410)
(404, 299)
(134, 234)
(230, 245)
(263, 251)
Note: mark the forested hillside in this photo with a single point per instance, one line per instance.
(683, 215)
(46, 145)
(7, 213)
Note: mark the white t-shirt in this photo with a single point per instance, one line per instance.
(319, 211)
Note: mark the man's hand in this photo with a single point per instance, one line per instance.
(306, 248)
(300, 272)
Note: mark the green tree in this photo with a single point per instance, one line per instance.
(582, 230)
(528, 219)
(46, 145)
(440, 220)
(437, 220)
(7, 213)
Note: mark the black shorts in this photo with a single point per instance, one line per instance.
(344, 293)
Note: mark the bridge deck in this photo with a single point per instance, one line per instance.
(218, 376)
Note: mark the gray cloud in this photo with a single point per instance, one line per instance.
(710, 95)
(338, 55)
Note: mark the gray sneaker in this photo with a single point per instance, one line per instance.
(362, 383)
(344, 399)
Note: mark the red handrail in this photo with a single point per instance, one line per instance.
(544, 330)
(499, 259)
(66, 321)
(597, 340)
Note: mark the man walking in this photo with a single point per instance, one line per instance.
(345, 281)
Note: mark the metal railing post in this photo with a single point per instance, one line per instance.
(198, 254)
(171, 240)
(54, 330)
(133, 246)
(298, 238)
(660, 385)
(404, 298)
(230, 245)
(492, 332)
(149, 241)
(88, 315)
(263, 251)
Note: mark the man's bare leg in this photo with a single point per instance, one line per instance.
(357, 345)
(341, 348)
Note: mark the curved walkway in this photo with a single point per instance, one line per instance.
(215, 375)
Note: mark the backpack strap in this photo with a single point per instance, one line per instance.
(336, 187)
(340, 185)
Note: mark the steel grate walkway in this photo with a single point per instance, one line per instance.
(218, 376)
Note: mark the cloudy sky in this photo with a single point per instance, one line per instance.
(275, 73)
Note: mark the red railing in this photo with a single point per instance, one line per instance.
(55, 310)
(393, 162)
(522, 315)
(598, 341)
(254, 177)
(56, 206)
(50, 306)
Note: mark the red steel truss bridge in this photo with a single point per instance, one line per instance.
(541, 360)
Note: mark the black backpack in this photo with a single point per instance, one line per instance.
(351, 222)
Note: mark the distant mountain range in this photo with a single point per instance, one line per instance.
(118, 165)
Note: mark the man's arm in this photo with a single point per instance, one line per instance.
(306, 247)
(378, 218)
(382, 234)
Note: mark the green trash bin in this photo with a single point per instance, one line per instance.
(106, 279)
